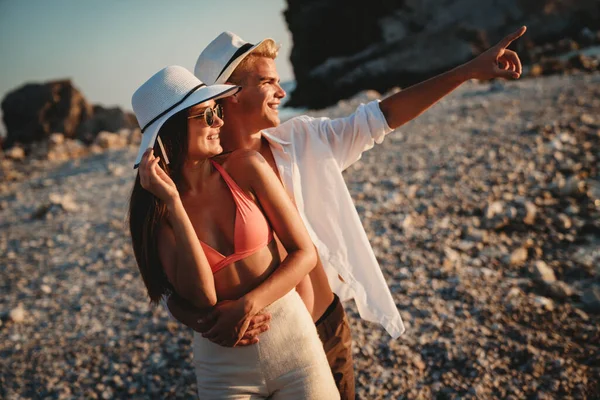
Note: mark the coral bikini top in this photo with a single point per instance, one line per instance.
(251, 229)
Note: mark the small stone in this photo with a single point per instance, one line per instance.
(572, 186)
(586, 119)
(544, 302)
(495, 208)
(543, 272)
(15, 153)
(582, 314)
(56, 139)
(65, 201)
(591, 299)
(116, 170)
(109, 140)
(411, 192)
(418, 362)
(531, 213)
(559, 290)
(17, 315)
(536, 70)
(519, 256)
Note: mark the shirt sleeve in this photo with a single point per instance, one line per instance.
(348, 137)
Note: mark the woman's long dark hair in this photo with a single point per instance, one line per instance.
(147, 212)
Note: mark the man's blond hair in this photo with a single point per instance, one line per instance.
(268, 49)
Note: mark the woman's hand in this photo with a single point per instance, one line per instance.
(155, 180)
(203, 320)
(259, 323)
(232, 323)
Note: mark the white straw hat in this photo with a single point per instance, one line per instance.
(219, 59)
(170, 90)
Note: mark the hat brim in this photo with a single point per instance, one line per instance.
(233, 65)
(201, 95)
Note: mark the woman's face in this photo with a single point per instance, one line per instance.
(203, 139)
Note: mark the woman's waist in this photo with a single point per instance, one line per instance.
(290, 323)
(240, 277)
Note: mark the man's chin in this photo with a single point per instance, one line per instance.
(274, 120)
(271, 123)
(272, 117)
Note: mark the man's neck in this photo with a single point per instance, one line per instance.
(233, 140)
(236, 136)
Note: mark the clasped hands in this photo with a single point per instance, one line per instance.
(227, 324)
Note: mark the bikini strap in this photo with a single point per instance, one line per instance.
(237, 191)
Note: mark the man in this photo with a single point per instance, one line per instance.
(309, 156)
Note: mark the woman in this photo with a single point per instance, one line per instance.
(186, 214)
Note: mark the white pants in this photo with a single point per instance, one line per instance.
(287, 363)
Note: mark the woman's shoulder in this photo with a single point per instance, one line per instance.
(245, 166)
(246, 154)
(243, 158)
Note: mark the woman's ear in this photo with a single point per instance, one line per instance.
(233, 99)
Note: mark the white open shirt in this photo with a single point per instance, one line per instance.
(311, 154)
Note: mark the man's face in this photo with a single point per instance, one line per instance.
(258, 102)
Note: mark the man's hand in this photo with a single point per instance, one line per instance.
(202, 320)
(498, 61)
(230, 326)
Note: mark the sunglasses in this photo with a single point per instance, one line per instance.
(209, 114)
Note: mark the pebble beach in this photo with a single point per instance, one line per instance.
(484, 214)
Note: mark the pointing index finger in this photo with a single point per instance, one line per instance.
(504, 43)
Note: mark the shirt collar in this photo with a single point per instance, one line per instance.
(274, 140)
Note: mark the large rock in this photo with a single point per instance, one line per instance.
(106, 120)
(35, 111)
(345, 46)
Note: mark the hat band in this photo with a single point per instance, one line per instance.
(153, 120)
(235, 55)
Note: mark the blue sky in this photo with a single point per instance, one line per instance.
(110, 47)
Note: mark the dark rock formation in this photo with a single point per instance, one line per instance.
(344, 46)
(35, 111)
(106, 119)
